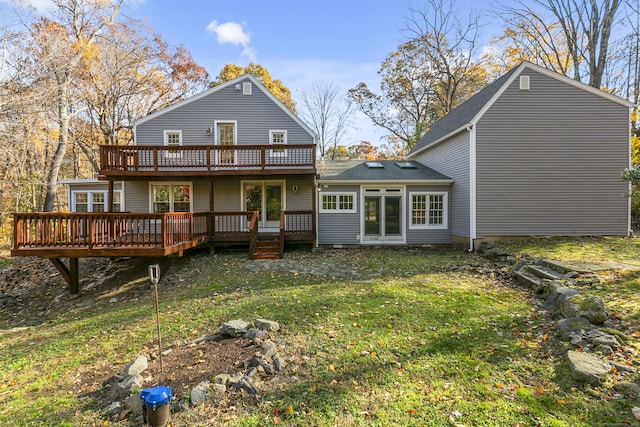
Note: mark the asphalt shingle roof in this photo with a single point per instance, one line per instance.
(390, 171)
(463, 114)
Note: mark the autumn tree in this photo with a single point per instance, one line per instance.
(327, 114)
(430, 74)
(449, 41)
(275, 86)
(60, 46)
(133, 73)
(572, 37)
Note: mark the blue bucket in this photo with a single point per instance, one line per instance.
(156, 408)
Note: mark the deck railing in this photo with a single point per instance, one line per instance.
(65, 231)
(127, 159)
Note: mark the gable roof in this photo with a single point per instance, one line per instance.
(472, 110)
(386, 170)
(222, 86)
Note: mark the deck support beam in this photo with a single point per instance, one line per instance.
(70, 274)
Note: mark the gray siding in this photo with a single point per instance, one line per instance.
(255, 114)
(432, 236)
(452, 159)
(339, 228)
(136, 196)
(549, 161)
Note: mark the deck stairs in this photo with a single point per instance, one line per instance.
(268, 246)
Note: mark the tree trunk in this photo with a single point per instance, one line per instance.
(63, 139)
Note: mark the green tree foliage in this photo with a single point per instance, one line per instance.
(275, 86)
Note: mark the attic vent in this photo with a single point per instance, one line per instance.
(246, 88)
(524, 82)
(374, 165)
(406, 165)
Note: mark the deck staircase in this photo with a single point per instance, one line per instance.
(268, 246)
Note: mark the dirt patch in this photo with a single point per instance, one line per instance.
(187, 366)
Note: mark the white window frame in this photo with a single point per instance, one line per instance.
(426, 225)
(282, 152)
(171, 200)
(166, 134)
(353, 195)
(90, 203)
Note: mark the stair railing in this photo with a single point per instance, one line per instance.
(253, 234)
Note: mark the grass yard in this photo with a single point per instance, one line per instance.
(427, 337)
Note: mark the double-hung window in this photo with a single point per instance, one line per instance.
(338, 202)
(94, 201)
(429, 210)
(171, 197)
(278, 138)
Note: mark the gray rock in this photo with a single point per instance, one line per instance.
(198, 395)
(253, 334)
(134, 404)
(569, 327)
(269, 348)
(604, 349)
(234, 328)
(246, 385)
(591, 308)
(218, 389)
(124, 387)
(598, 337)
(235, 378)
(222, 378)
(266, 325)
(557, 296)
(626, 387)
(113, 408)
(136, 367)
(587, 368)
(279, 363)
(181, 406)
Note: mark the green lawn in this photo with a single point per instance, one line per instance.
(424, 337)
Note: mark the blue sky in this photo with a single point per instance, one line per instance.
(298, 41)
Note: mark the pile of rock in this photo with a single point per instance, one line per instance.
(596, 350)
(265, 362)
(123, 389)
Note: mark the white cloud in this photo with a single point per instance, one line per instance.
(233, 33)
(229, 32)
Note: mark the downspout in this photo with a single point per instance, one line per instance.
(472, 184)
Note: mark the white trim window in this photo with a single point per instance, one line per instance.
(429, 210)
(278, 138)
(170, 197)
(94, 201)
(338, 203)
(173, 140)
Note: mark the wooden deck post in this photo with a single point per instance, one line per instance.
(110, 195)
(70, 275)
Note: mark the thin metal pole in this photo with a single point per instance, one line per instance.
(155, 285)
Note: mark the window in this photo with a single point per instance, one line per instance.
(171, 197)
(338, 202)
(428, 210)
(278, 138)
(94, 201)
(173, 140)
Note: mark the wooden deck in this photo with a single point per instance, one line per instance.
(117, 161)
(77, 235)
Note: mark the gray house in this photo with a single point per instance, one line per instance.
(535, 153)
